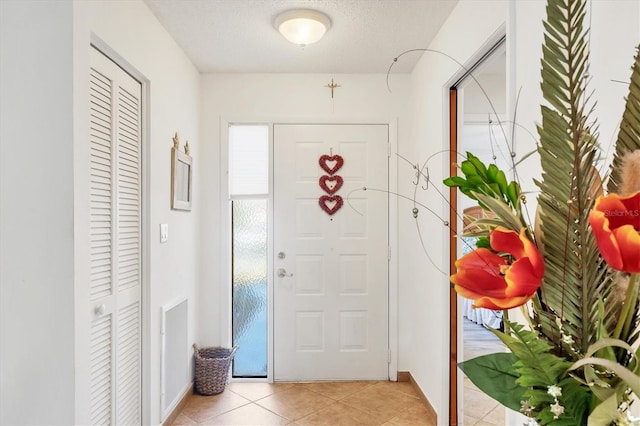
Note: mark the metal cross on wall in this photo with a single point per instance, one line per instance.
(332, 86)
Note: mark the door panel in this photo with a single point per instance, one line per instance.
(331, 304)
(115, 250)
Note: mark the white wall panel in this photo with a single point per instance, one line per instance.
(309, 270)
(36, 213)
(353, 331)
(352, 275)
(308, 223)
(309, 330)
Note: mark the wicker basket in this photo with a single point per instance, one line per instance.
(212, 368)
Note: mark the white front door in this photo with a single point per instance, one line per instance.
(331, 270)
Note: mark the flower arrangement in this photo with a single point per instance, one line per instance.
(576, 273)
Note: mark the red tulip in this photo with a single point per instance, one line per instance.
(500, 281)
(615, 221)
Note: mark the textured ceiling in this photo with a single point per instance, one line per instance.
(237, 36)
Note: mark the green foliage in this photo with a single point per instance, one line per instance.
(495, 375)
(629, 133)
(504, 215)
(538, 368)
(536, 365)
(483, 242)
(574, 399)
(576, 278)
(482, 179)
(628, 140)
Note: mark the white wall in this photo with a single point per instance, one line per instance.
(44, 323)
(36, 213)
(475, 100)
(275, 98)
(424, 291)
(130, 30)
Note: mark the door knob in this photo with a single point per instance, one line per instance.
(283, 273)
(99, 310)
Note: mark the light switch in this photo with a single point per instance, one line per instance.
(164, 232)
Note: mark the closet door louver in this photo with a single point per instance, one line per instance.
(128, 374)
(115, 250)
(101, 250)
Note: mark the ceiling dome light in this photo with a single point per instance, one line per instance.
(302, 26)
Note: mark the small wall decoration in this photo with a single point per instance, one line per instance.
(330, 183)
(331, 163)
(181, 180)
(332, 86)
(331, 203)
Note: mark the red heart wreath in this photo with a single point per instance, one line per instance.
(326, 159)
(330, 203)
(325, 181)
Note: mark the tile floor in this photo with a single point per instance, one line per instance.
(478, 408)
(335, 404)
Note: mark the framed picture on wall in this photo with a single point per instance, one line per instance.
(181, 180)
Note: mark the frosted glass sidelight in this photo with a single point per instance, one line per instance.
(249, 294)
(248, 160)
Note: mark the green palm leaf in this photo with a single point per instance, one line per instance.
(628, 141)
(574, 268)
(629, 134)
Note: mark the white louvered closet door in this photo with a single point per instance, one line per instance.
(115, 251)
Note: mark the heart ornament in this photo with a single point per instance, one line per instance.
(331, 163)
(330, 203)
(331, 184)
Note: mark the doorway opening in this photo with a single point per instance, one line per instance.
(477, 120)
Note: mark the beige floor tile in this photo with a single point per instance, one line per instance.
(336, 390)
(418, 415)
(495, 416)
(295, 402)
(382, 401)
(477, 404)
(468, 384)
(309, 404)
(183, 420)
(255, 391)
(338, 414)
(470, 420)
(250, 414)
(201, 408)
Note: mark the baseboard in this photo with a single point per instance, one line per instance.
(179, 407)
(405, 376)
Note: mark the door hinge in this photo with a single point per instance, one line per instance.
(389, 358)
(389, 253)
(388, 150)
